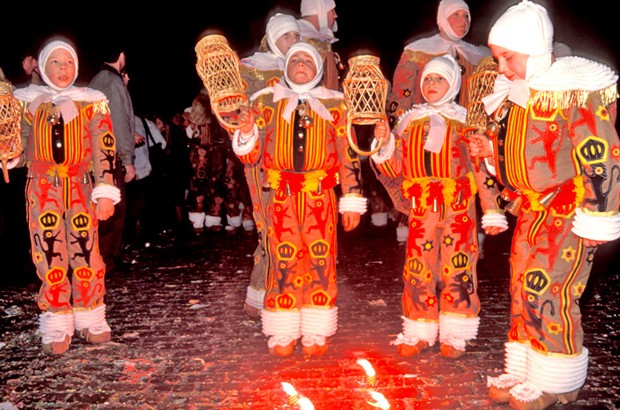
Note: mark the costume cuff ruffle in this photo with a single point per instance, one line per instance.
(12, 163)
(106, 191)
(598, 227)
(385, 152)
(349, 203)
(242, 143)
(490, 219)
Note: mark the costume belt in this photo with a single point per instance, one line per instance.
(59, 170)
(310, 181)
(562, 198)
(435, 192)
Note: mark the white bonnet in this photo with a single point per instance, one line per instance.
(447, 8)
(278, 25)
(524, 28)
(447, 67)
(319, 8)
(44, 55)
(318, 61)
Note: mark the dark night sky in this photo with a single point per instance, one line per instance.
(160, 39)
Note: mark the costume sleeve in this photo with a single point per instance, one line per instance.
(103, 143)
(597, 146)
(350, 170)
(405, 89)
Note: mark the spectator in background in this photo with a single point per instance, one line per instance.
(143, 194)
(177, 180)
(109, 80)
(31, 68)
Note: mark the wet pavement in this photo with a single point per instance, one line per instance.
(181, 339)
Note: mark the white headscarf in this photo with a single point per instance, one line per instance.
(447, 67)
(320, 9)
(62, 97)
(536, 41)
(302, 92)
(45, 54)
(446, 9)
(277, 26)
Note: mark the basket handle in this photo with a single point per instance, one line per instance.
(355, 147)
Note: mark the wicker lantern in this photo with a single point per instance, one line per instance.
(365, 92)
(218, 67)
(480, 84)
(10, 127)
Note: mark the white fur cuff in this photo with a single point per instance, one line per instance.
(596, 227)
(243, 144)
(106, 191)
(494, 219)
(384, 152)
(352, 204)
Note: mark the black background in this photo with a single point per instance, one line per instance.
(160, 39)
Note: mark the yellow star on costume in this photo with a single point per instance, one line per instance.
(603, 113)
(568, 254)
(578, 289)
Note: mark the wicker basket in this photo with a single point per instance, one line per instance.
(365, 92)
(480, 84)
(218, 67)
(10, 127)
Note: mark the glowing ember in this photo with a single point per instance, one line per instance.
(293, 396)
(305, 404)
(371, 376)
(380, 401)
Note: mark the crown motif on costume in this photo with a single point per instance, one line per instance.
(49, 220)
(592, 150)
(415, 266)
(81, 221)
(460, 260)
(536, 281)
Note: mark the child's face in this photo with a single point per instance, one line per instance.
(286, 40)
(60, 68)
(434, 87)
(510, 63)
(301, 68)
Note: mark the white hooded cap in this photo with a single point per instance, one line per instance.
(447, 67)
(319, 8)
(318, 61)
(525, 28)
(278, 25)
(44, 55)
(447, 8)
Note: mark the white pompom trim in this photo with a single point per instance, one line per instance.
(494, 219)
(243, 144)
(386, 152)
(106, 191)
(353, 204)
(596, 227)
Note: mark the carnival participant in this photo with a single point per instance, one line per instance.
(454, 22)
(440, 294)
(296, 132)
(554, 147)
(262, 69)
(69, 150)
(317, 27)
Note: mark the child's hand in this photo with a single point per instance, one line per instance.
(246, 119)
(480, 146)
(382, 132)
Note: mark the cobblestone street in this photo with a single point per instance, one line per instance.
(181, 339)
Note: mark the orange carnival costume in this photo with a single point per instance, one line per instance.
(557, 152)
(440, 297)
(304, 154)
(70, 151)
